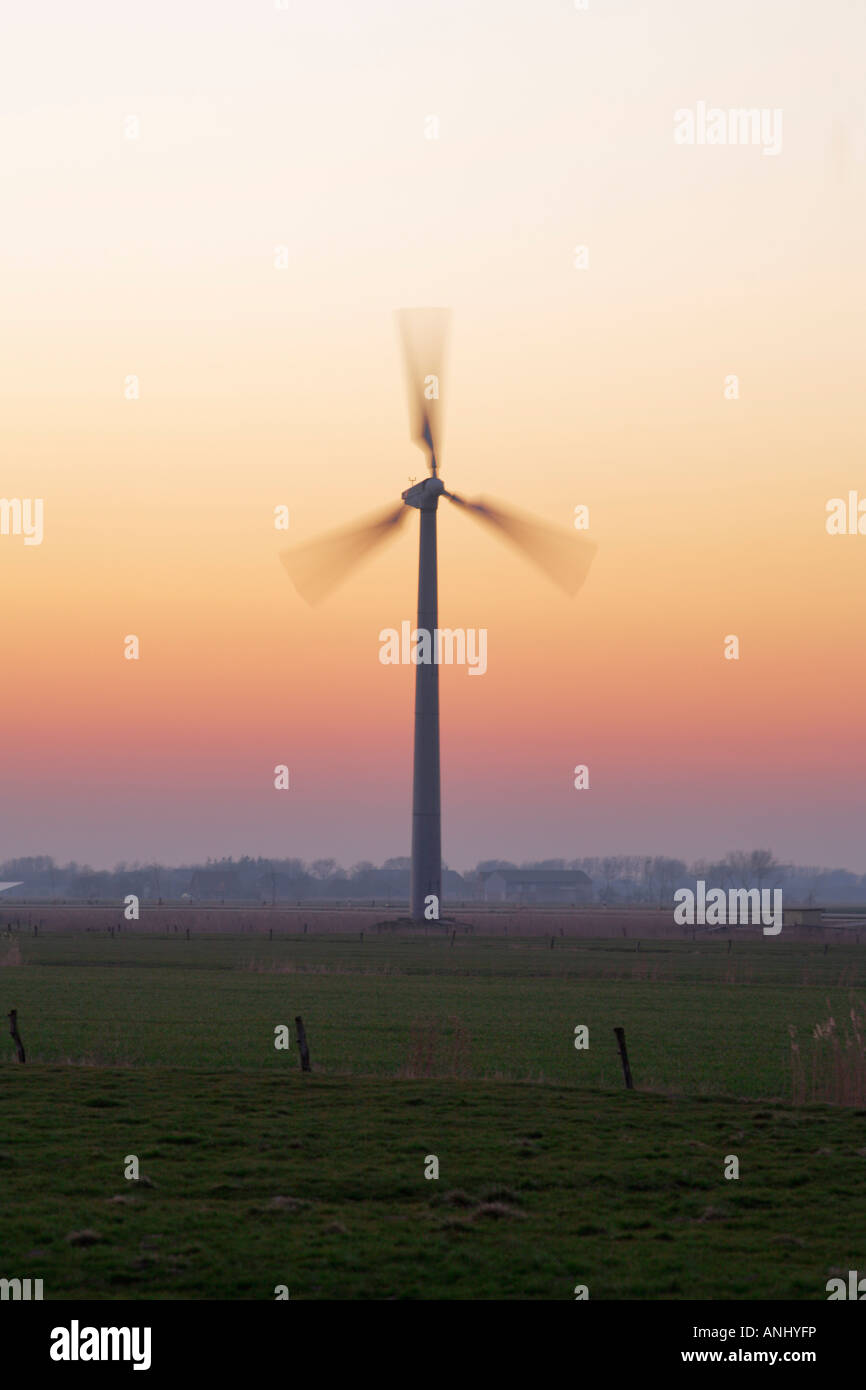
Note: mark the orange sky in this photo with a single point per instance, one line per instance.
(305, 128)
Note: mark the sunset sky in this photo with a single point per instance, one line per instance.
(304, 127)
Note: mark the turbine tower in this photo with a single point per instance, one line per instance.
(426, 795)
(319, 566)
(424, 334)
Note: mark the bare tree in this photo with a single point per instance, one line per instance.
(763, 865)
(672, 874)
(611, 868)
(323, 868)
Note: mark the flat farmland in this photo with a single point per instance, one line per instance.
(322, 918)
(551, 1174)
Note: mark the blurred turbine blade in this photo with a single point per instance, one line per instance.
(317, 567)
(424, 333)
(564, 558)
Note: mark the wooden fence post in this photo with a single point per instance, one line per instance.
(626, 1069)
(16, 1037)
(302, 1044)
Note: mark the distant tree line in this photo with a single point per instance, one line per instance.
(616, 879)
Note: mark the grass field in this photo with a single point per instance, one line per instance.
(551, 1174)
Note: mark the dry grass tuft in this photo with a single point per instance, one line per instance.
(439, 1048)
(287, 1204)
(290, 967)
(834, 1071)
(456, 1198)
(498, 1211)
(86, 1237)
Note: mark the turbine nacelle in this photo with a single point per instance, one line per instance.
(424, 495)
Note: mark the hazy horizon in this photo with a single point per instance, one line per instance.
(520, 861)
(156, 256)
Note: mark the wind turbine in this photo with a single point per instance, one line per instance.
(319, 566)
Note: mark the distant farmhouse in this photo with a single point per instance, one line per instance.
(803, 916)
(548, 886)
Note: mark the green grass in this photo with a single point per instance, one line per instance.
(697, 1019)
(317, 1183)
(262, 1176)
